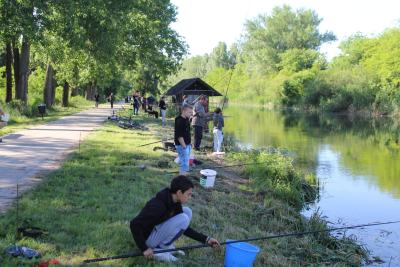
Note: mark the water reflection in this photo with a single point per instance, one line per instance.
(357, 161)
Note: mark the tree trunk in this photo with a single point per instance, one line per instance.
(53, 89)
(65, 94)
(87, 91)
(90, 90)
(75, 91)
(48, 86)
(8, 72)
(24, 70)
(16, 71)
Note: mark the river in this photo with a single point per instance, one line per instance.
(356, 160)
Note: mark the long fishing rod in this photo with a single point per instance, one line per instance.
(234, 165)
(155, 142)
(136, 254)
(223, 77)
(226, 92)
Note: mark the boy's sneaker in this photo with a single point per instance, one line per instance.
(166, 257)
(177, 252)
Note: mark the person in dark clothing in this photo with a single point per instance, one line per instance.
(144, 103)
(97, 99)
(163, 220)
(111, 98)
(182, 138)
(152, 112)
(135, 105)
(163, 110)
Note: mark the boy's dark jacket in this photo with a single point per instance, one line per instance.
(157, 210)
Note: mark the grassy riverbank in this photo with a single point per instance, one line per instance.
(87, 204)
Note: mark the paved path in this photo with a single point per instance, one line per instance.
(27, 154)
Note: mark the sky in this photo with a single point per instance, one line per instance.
(204, 23)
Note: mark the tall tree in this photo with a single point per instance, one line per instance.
(221, 57)
(269, 36)
(18, 93)
(49, 86)
(24, 70)
(8, 72)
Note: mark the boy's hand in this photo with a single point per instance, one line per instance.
(148, 253)
(214, 243)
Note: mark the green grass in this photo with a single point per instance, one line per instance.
(87, 204)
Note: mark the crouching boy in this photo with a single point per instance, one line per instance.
(163, 220)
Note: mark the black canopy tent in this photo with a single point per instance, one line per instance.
(192, 88)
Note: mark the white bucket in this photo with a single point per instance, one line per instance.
(207, 179)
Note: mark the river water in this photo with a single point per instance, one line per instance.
(356, 160)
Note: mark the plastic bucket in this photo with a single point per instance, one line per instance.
(240, 254)
(207, 179)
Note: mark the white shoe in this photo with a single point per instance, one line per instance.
(166, 257)
(177, 252)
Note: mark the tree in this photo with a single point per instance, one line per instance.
(22, 23)
(8, 72)
(268, 36)
(221, 57)
(295, 60)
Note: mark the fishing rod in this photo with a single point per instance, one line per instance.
(223, 77)
(227, 88)
(137, 254)
(156, 142)
(229, 166)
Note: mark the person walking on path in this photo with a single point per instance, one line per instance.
(163, 110)
(218, 120)
(182, 138)
(144, 103)
(97, 99)
(135, 104)
(198, 120)
(111, 98)
(163, 220)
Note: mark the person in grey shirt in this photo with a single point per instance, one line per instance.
(185, 101)
(198, 120)
(218, 120)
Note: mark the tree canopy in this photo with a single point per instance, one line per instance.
(91, 44)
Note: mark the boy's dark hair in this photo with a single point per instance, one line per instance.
(186, 106)
(217, 110)
(180, 182)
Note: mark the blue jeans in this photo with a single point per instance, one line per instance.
(184, 154)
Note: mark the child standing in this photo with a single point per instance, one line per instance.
(218, 120)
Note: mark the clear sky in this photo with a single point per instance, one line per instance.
(204, 23)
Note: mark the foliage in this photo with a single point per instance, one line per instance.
(278, 63)
(267, 37)
(99, 45)
(274, 174)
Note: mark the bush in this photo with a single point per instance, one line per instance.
(293, 88)
(387, 100)
(275, 174)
